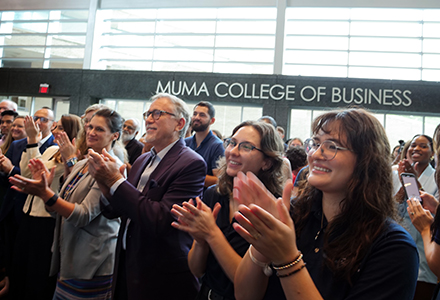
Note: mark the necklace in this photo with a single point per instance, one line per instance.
(319, 232)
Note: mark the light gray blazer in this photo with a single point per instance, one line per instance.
(84, 244)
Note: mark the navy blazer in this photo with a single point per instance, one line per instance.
(14, 201)
(156, 255)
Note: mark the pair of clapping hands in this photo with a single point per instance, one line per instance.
(263, 220)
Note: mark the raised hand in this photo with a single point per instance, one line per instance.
(32, 130)
(248, 189)
(37, 187)
(37, 168)
(197, 219)
(420, 217)
(274, 238)
(103, 168)
(67, 148)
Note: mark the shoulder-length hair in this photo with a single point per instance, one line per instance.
(272, 147)
(368, 202)
(71, 125)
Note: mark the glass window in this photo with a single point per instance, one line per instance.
(189, 39)
(430, 124)
(300, 123)
(402, 127)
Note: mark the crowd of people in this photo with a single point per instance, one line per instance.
(88, 211)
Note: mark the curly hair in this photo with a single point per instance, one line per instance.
(272, 147)
(366, 207)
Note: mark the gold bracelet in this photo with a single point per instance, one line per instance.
(289, 265)
(293, 272)
(266, 268)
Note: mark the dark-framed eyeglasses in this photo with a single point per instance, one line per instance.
(244, 147)
(156, 114)
(328, 148)
(42, 119)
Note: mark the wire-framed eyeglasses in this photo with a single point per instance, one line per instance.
(328, 148)
(156, 114)
(244, 147)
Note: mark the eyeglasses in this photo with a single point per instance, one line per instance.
(244, 147)
(328, 148)
(156, 114)
(43, 119)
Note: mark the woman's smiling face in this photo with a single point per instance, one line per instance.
(331, 176)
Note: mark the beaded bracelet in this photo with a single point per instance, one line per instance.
(289, 265)
(266, 268)
(293, 272)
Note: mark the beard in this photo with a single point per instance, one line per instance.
(199, 126)
(125, 137)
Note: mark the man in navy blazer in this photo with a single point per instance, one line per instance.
(151, 256)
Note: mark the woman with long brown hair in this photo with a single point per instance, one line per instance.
(342, 242)
(255, 147)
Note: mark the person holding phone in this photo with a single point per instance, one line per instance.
(420, 152)
(342, 242)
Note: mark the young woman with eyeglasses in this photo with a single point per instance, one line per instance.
(255, 147)
(340, 240)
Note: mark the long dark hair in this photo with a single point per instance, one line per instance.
(71, 125)
(365, 207)
(272, 147)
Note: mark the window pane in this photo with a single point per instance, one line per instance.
(317, 57)
(19, 40)
(431, 61)
(431, 75)
(244, 55)
(131, 27)
(24, 15)
(313, 42)
(384, 73)
(17, 28)
(185, 26)
(431, 30)
(400, 127)
(261, 27)
(317, 27)
(386, 29)
(184, 54)
(300, 123)
(182, 66)
(66, 40)
(430, 124)
(185, 41)
(310, 70)
(24, 52)
(127, 53)
(385, 59)
(128, 40)
(243, 68)
(70, 64)
(431, 45)
(249, 41)
(67, 27)
(65, 52)
(385, 44)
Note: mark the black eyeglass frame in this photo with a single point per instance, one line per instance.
(156, 114)
(227, 142)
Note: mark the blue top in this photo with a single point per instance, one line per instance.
(211, 149)
(388, 271)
